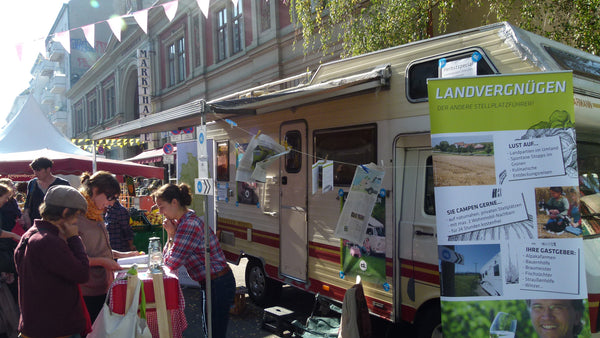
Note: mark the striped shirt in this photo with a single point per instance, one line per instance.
(188, 248)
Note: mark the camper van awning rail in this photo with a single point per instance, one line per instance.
(300, 96)
(184, 115)
(188, 114)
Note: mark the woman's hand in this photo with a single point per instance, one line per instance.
(107, 263)
(170, 226)
(123, 254)
(15, 237)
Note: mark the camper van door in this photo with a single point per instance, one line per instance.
(293, 235)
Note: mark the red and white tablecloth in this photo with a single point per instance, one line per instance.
(174, 300)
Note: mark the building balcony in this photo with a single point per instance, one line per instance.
(58, 84)
(58, 117)
(56, 51)
(47, 68)
(48, 98)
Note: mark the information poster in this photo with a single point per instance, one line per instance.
(367, 258)
(505, 168)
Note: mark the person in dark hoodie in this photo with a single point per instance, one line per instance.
(51, 263)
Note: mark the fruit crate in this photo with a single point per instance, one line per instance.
(142, 233)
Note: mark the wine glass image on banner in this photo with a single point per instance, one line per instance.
(471, 270)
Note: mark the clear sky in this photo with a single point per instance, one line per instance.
(23, 21)
(475, 256)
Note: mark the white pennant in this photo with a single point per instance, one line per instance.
(141, 17)
(115, 26)
(89, 32)
(170, 9)
(65, 40)
(204, 4)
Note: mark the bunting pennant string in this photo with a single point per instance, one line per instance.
(141, 17)
(115, 23)
(89, 32)
(170, 9)
(204, 4)
(65, 40)
(107, 143)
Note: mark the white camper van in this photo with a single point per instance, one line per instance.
(370, 108)
(491, 277)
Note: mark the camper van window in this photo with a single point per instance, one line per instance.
(419, 71)
(293, 159)
(429, 204)
(223, 161)
(346, 147)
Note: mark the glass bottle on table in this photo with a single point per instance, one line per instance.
(155, 258)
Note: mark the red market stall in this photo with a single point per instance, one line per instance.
(71, 164)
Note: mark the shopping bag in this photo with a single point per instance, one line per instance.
(142, 329)
(114, 325)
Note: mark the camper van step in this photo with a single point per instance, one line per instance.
(277, 319)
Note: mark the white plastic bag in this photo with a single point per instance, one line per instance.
(113, 325)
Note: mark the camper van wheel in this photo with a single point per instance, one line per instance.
(429, 322)
(261, 289)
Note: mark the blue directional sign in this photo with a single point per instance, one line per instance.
(448, 255)
(204, 186)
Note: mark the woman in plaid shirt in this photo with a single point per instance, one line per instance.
(185, 248)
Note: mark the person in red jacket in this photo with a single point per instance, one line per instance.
(51, 262)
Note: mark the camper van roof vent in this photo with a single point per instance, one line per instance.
(578, 64)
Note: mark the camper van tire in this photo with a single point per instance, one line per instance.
(261, 289)
(428, 321)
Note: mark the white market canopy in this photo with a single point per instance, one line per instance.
(30, 135)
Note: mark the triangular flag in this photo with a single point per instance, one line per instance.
(141, 17)
(19, 47)
(90, 34)
(115, 26)
(204, 4)
(170, 9)
(65, 40)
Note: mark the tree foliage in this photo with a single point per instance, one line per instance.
(361, 26)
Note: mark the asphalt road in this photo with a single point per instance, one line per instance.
(248, 322)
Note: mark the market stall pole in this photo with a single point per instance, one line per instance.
(202, 143)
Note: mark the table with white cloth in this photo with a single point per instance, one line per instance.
(165, 302)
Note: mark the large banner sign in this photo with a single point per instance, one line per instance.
(505, 171)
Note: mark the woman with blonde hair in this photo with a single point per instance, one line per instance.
(100, 191)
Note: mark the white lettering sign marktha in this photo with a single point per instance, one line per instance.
(144, 82)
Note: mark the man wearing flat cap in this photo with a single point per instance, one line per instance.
(51, 262)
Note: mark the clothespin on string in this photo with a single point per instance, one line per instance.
(231, 123)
